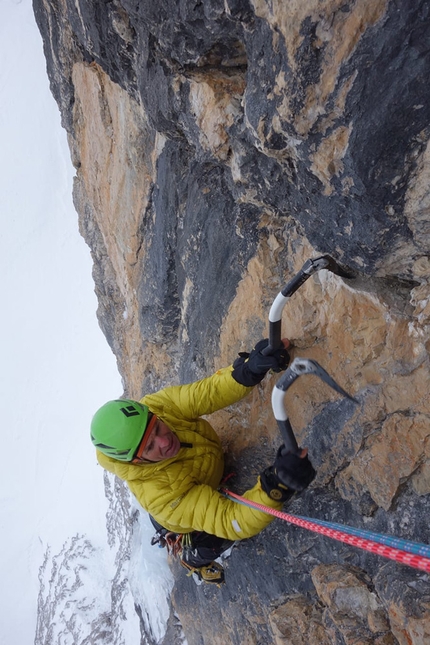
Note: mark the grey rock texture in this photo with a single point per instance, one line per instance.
(217, 146)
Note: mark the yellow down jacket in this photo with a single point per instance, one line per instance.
(181, 492)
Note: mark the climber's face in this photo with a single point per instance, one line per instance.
(161, 444)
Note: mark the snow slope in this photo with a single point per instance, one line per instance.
(56, 365)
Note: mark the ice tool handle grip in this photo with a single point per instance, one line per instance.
(298, 367)
(310, 267)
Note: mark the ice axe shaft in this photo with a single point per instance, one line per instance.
(298, 367)
(310, 267)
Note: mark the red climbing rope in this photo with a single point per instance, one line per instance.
(410, 559)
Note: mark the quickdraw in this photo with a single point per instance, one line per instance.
(171, 541)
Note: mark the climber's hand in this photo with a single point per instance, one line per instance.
(294, 471)
(288, 474)
(250, 369)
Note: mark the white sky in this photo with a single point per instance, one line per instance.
(57, 368)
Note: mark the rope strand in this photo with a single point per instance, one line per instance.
(395, 542)
(340, 533)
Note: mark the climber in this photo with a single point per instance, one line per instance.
(172, 461)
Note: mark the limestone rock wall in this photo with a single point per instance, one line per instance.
(217, 146)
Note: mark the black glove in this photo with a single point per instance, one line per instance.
(288, 474)
(250, 369)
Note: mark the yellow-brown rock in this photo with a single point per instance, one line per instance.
(298, 622)
(355, 611)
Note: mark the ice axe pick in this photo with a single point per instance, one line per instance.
(298, 367)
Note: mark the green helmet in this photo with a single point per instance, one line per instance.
(118, 426)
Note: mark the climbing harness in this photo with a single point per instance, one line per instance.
(406, 552)
(189, 548)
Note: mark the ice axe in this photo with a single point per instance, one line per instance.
(310, 267)
(299, 366)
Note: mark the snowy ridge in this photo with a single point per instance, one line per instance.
(90, 596)
(73, 603)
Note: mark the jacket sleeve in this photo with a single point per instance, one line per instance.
(199, 398)
(201, 508)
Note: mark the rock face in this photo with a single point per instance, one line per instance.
(217, 146)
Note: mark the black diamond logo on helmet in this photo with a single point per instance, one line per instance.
(130, 411)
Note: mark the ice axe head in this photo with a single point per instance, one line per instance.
(333, 266)
(308, 366)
